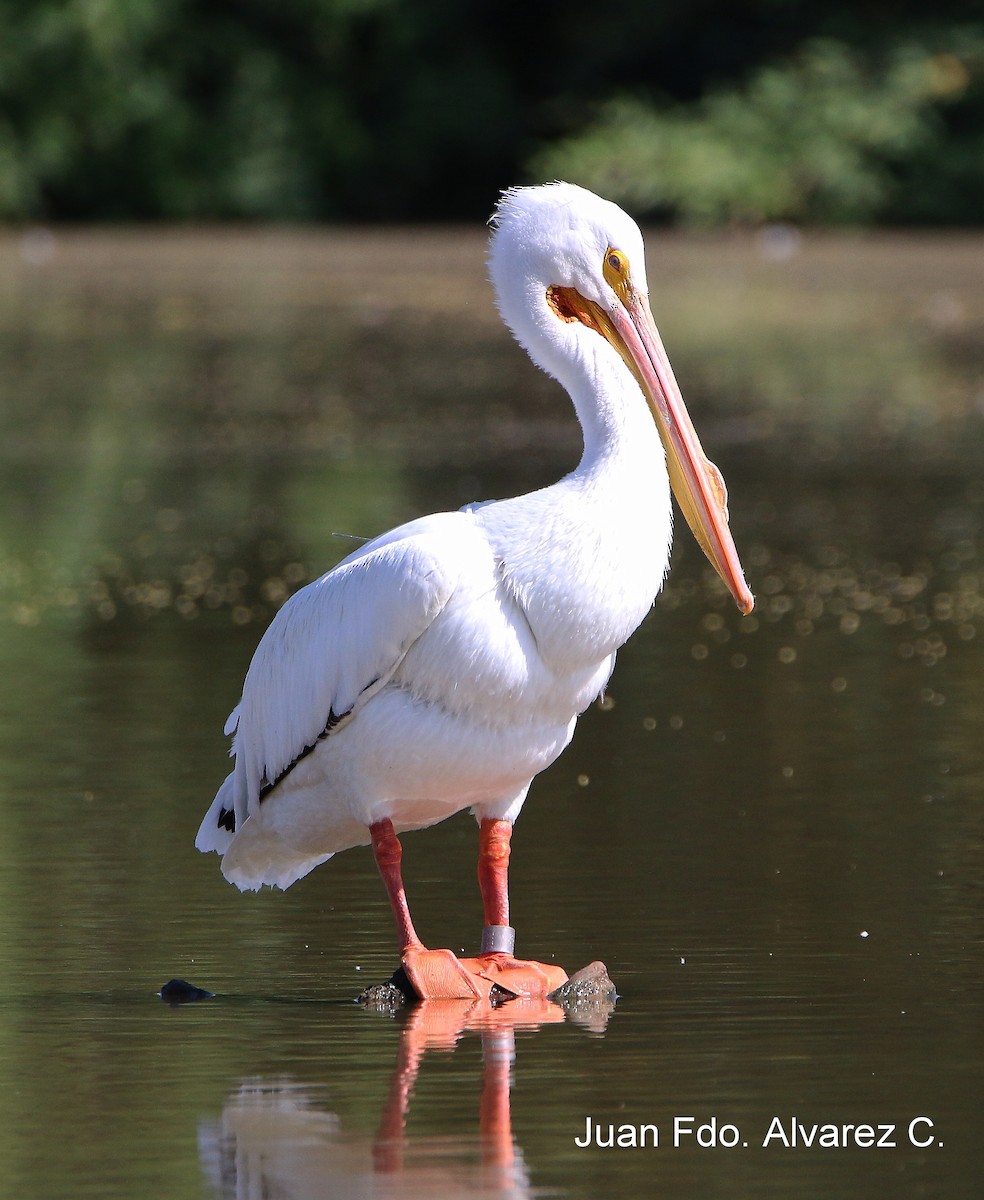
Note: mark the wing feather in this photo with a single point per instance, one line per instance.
(332, 645)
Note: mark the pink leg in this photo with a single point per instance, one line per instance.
(496, 963)
(493, 869)
(433, 974)
(389, 853)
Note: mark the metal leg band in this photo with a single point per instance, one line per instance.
(498, 939)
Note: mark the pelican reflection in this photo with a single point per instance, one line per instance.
(276, 1137)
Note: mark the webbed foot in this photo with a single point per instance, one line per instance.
(441, 975)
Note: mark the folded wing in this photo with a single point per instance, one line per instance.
(331, 647)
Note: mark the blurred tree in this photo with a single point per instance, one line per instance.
(383, 109)
(828, 135)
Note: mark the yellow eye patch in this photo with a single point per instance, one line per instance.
(616, 273)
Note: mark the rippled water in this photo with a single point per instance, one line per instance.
(772, 836)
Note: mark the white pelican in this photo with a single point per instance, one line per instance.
(444, 665)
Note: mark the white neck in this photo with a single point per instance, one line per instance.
(609, 521)
(619, 431)
(621, 441)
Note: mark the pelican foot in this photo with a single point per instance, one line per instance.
(441, 975)
(517, 976)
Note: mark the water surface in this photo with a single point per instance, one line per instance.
(771, 833)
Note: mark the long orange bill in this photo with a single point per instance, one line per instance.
(696, 481)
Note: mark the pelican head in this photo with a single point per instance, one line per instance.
(567, 265)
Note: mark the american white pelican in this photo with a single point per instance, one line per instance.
(444, 664)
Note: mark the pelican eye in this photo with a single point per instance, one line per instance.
(616, 271)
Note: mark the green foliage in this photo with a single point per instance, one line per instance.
(820, 137)
(185, 108)
(384, 109)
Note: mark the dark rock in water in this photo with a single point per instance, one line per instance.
(592, 984)
(179, 991)
(588, 997)
(389, 996)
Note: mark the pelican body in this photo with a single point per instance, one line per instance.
(443, 665)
